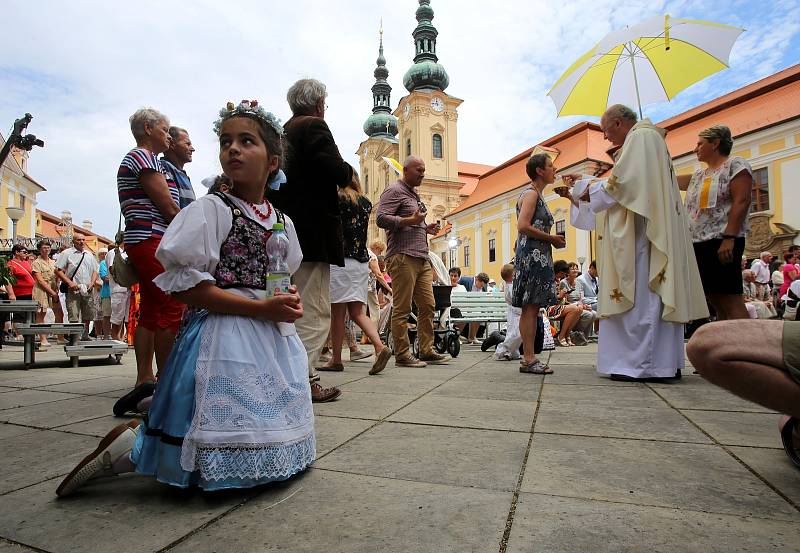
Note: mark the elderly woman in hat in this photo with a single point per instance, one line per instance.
(718, 203)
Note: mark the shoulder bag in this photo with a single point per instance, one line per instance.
(122, 270)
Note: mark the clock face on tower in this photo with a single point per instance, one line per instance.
(407, 111)
(437, 105)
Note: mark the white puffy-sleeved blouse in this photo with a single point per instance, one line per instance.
(190, 248)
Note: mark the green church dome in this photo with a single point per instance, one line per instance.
(381, 124)
(426, 74)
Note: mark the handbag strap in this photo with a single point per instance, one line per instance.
(75, 272)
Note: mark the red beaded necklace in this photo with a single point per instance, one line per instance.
(259, 213)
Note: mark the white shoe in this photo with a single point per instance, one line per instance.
(359, 354)
(99, 463)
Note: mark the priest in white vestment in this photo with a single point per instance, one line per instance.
(651, 286)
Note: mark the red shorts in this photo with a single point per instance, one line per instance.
(157, 310)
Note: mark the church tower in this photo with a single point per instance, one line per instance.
(381, 129)
(428, 120)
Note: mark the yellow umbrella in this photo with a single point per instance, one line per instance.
(647, 63)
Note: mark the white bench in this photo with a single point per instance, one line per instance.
(479, 307)
(110, 348)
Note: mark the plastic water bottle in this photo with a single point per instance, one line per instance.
(278, 276)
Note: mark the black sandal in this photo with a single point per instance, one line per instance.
(789, 433)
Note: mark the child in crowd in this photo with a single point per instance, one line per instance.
(509, 349)
(233, 406)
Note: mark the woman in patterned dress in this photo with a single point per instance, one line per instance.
(45, 291)
(534, 285)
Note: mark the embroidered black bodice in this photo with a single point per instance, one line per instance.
(243, 258)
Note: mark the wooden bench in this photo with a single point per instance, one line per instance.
(479, 307)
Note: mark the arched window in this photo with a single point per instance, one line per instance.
(408, 147)
(366, 184)
(437, 146)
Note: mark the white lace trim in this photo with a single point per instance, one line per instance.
(255, 461)
(240, 406)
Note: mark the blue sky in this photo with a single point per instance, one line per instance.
(81, 68)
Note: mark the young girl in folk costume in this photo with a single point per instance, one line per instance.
(233, 407)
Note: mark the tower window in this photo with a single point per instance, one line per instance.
(408, 147)
(437, 146)
(366, 184)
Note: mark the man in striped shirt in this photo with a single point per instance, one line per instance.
(179, 154)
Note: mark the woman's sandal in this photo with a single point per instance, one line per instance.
(563, 342)
(790, 436)
(537, 367)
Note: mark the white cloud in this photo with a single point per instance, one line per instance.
(82, 68)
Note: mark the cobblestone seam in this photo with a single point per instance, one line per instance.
(515, 497)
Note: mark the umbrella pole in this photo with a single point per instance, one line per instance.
(635, 80)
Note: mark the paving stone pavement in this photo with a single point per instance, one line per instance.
(469, 456)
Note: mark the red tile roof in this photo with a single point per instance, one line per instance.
(759, 105)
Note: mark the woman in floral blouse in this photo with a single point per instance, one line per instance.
(718, 202)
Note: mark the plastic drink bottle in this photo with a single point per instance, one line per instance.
(278, 276)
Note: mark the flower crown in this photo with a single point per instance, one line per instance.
(248, 108)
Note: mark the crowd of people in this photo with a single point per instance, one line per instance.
(71, 285)
(237, 365)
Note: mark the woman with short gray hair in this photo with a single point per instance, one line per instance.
(148, 204)
(718, 202)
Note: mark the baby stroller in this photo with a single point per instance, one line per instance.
(445, 336)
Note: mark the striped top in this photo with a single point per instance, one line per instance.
(142, 218)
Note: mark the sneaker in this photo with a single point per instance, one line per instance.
(357, 354)
(409, 361)
(434, 358)
(380, 361)
(99, 463)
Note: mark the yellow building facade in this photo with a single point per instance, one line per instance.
(17, 189)
(424, 124)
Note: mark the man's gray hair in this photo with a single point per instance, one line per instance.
(175, 133)
(304, 95)
(764, 254)
(145, 116)
(621, 111)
